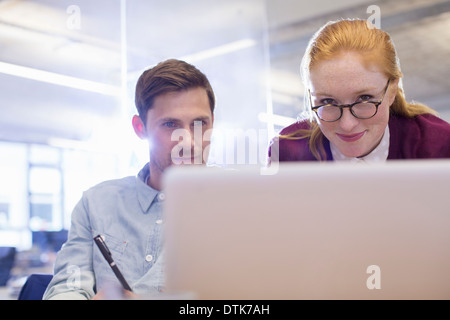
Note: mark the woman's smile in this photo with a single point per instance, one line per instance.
(351, 137)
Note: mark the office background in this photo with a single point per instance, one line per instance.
(68, 69)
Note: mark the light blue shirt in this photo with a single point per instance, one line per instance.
(128, 214)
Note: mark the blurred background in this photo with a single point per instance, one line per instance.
(68, 70)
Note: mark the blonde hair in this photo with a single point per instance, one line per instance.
(359, 36)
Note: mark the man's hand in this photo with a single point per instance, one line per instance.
(115, 294)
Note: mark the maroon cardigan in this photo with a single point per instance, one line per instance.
(421, 137)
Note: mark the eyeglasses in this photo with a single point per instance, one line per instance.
(359, 109)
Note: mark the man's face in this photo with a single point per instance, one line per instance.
(175, 129)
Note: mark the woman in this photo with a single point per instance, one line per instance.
(356, 107)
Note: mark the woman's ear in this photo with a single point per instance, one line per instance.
(393, 89)
(139, 127)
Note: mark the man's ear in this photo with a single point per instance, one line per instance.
(139, 127)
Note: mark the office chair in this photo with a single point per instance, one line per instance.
(34, 287)
(7, 256)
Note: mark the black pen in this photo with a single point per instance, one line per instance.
(107, 254)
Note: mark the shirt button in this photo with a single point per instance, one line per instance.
(148, 258)
(159, 221)
(161, 196)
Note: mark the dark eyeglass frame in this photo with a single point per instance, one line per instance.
(350, 106)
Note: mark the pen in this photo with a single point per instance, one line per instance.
(107, 254)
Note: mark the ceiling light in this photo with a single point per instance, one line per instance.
(220, 50)
(59, 79)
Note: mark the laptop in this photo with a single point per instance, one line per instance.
(309, 231)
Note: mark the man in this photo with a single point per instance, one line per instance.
(175, 103)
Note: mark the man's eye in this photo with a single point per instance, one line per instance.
(199, 123)
(169, 124)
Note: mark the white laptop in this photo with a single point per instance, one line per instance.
(310, 231)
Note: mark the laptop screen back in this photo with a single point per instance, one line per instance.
(310, 231)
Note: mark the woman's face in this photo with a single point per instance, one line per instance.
(345, 79)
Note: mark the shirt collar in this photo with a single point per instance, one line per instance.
(146, 194)
(380, 153)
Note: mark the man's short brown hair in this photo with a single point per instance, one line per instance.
(169, 76)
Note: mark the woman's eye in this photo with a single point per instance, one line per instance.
(365, 97)
(327, 101)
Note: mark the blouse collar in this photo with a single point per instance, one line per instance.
(380, 153)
